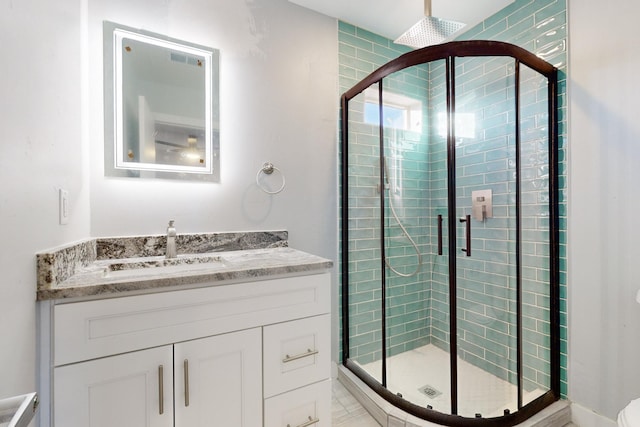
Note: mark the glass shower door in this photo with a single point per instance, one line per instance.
(365, 296)
(484, 140)
(415, 221)
(536, 246)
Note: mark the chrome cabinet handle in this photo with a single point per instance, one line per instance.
(186, 382)
(467, 220)
(161, 388)
(308, 353)
(311, 421)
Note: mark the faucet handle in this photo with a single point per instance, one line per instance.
(171, 231)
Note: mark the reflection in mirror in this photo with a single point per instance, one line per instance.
(161, 106)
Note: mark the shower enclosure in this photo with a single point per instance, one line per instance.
(450, 297)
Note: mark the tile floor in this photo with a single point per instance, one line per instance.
(346, 411)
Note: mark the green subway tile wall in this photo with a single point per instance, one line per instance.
(418, 307)
(540, 27)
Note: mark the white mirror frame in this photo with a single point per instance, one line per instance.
(115, 165)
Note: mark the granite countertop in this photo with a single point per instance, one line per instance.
(82, 270)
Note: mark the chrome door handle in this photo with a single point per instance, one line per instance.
(186, 382)
(308, 353)
(311, 422)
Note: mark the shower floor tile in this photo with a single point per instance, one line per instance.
(478, 390)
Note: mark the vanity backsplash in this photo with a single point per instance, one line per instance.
(58, 265)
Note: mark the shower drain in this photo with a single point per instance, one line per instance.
(429, 391)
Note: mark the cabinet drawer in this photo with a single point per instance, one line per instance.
(308, 406)
(91, 329)
(296, 353)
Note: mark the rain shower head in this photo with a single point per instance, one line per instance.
(429, 30)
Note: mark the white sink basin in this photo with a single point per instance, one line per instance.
(151, 262)
(143, 266)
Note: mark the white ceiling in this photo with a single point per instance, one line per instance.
(391, 18)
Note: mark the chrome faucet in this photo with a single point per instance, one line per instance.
(171, 241)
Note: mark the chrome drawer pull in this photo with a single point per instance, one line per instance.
(308, 423)
(308, 353)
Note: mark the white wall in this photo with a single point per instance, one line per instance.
(41, 150)
(279, 103)
(604, 205)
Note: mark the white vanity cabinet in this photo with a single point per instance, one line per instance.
(195, 382)
(242, 354)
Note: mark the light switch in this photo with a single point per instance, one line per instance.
(63, 206)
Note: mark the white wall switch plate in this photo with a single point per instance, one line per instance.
(63, 206)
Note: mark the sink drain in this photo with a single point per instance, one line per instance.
(430, 391)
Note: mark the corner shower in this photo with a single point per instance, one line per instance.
(450, 301)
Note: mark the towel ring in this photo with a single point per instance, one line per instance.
(267, 169)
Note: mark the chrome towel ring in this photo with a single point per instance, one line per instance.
(267, 169)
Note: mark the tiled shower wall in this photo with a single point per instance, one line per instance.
(539, 26)
(407, 312)
(419, 313)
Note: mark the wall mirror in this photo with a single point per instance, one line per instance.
(161, 106)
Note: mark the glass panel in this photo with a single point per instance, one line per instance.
(536, 295)
(416, 277)
(365, 287)
(486, 280)
(438, 278)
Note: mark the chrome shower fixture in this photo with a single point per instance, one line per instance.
(387, 186)
(429, 30)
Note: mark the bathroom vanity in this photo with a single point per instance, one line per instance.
(241, 338)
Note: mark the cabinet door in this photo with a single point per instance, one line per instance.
(219, 381)
(129, 390)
